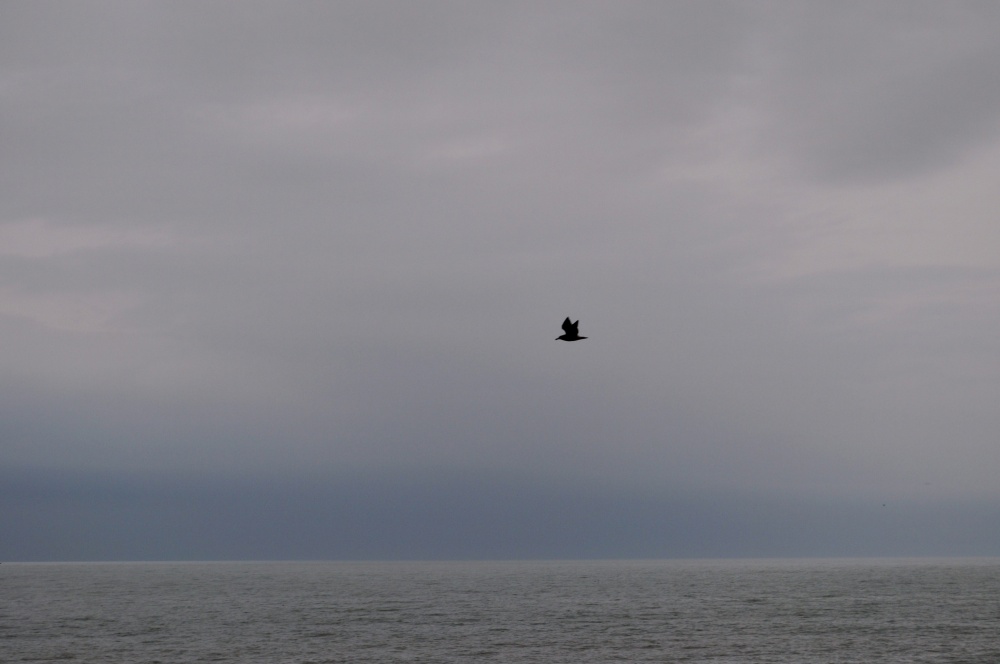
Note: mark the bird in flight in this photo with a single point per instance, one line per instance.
(571, 330)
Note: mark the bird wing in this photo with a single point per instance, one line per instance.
(568, 326)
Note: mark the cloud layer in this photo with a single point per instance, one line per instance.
(266, 243)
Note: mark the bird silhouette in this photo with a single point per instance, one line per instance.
(571, 330)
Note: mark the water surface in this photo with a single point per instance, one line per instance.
(801, 611)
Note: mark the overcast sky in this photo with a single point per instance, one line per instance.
(284, 280)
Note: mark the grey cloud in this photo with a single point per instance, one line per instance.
(252, 241)
(876, 93)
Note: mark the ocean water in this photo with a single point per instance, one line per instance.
(801, 611)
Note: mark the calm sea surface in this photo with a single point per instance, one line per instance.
(802, 611)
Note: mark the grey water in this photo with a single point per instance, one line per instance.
(735, 611)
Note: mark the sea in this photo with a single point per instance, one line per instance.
(801, 611)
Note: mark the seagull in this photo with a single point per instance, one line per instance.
(571, 330)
